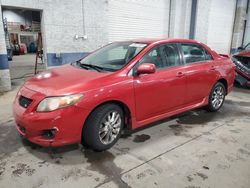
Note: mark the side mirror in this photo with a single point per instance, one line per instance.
(240, 48)
(146, 68)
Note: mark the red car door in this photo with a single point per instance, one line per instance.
(200, 72)
(163, 90)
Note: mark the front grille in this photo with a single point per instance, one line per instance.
(243, 64)
(244, 60)
(24, 101)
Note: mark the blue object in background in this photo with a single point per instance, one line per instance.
(32, 48)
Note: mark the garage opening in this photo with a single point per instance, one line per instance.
(23, 36)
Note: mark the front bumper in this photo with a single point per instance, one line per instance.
(30, 124)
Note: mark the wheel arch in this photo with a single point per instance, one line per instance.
(122, 105)
(225, 83)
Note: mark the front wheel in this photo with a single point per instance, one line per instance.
(103, 127)
(216, 97)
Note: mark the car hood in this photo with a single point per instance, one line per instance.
(245, 53)
(65, 80)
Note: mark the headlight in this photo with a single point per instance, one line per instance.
(52, 103)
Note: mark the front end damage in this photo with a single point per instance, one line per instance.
(242, 70)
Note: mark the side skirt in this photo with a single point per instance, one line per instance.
(139, 124)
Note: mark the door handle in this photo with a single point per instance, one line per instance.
(180, 74)
(212, 67)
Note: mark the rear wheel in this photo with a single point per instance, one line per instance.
(216, 97)
(103, 127)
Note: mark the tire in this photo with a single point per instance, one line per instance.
(103, 127)
(216, 97)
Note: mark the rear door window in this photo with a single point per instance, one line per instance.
(194, 53)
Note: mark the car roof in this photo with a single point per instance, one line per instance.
(166, 40)
(155, 40)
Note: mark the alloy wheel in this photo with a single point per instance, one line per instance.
(110, 127)
(218, 97)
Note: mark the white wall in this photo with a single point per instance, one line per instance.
(240, 18)
(214, 25)
(63, 19)
(103, 21)
(220, 25)
(180, 18)
(2, 37)
(5, 83)
(247, 31)
(202, 18)
(108, 20)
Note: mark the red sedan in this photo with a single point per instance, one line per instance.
(124, 85)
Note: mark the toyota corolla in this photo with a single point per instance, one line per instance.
(122, 86)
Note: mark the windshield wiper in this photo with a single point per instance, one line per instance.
(95, 67)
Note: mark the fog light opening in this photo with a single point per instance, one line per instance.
(22, 129)
(49, 133)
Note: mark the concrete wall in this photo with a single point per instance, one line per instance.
(202, 17)
(180, 15)
(214, 24)
(5, 83)
(62, 20)
(247, 30)
(79, 18)
(240, 18)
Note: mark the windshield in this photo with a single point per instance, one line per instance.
(113, 56)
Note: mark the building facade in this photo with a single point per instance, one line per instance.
(71, 29)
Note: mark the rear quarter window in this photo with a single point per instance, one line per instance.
(195, 53)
